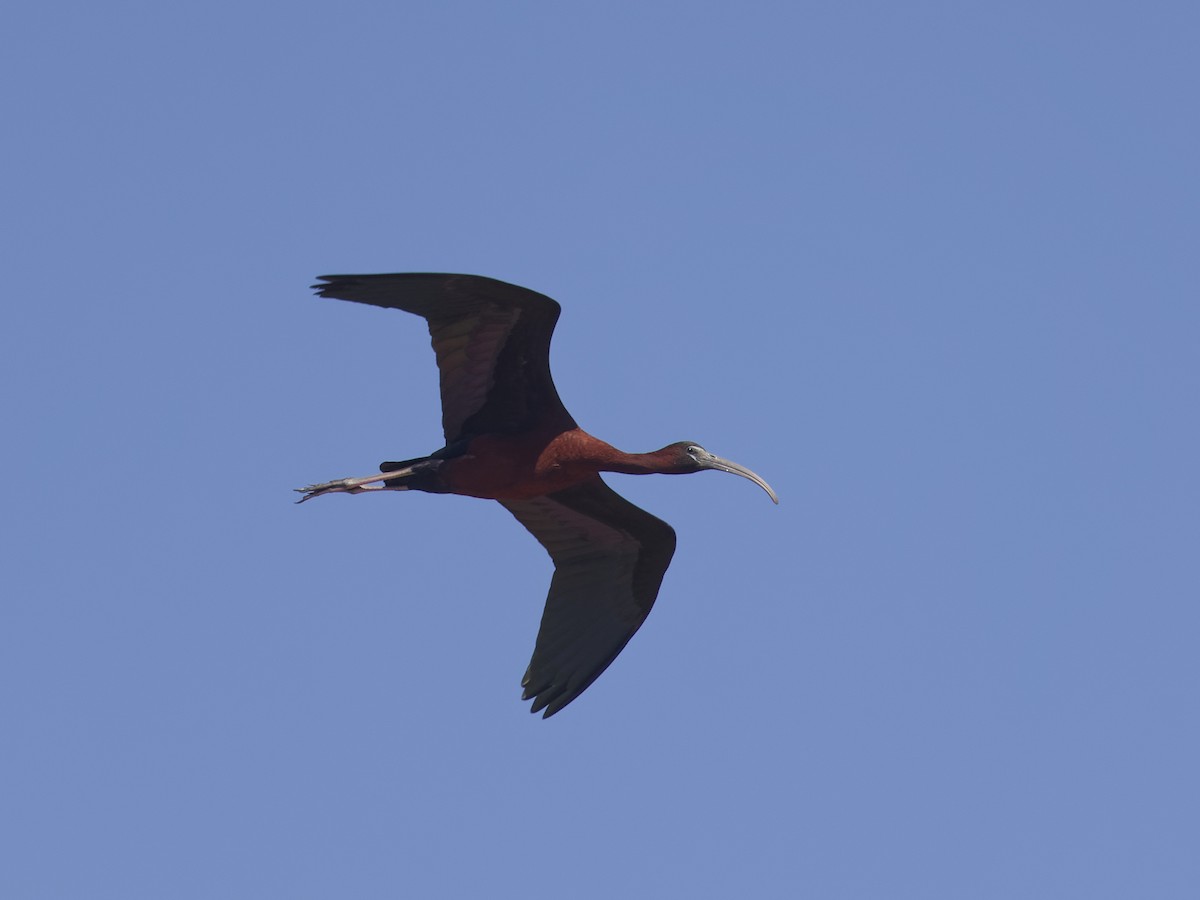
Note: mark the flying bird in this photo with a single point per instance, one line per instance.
(510, 439)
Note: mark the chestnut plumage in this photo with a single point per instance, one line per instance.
(509, 438)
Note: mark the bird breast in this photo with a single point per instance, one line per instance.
(520, 467)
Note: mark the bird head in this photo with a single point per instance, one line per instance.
(688, 456)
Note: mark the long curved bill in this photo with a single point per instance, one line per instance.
(712, 461)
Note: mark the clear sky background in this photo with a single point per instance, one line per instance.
(930, 268)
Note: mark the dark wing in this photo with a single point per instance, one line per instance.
(492, 341)
(609, 561)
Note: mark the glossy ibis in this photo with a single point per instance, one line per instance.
(509, 438)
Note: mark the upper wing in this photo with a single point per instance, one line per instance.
(492, 341)
(609, 561)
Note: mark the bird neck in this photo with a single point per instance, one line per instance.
(655, 462)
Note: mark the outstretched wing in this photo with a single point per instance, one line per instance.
(492, 341)
(609, 561)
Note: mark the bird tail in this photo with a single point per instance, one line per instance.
(402, 464)
(422, 474)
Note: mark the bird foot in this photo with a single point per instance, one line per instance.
(354, 485)
(341, 486)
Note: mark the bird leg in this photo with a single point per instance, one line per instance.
(355, 485)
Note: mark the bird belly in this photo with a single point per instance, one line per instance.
(502, 467)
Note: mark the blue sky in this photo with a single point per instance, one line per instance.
(929, 268)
